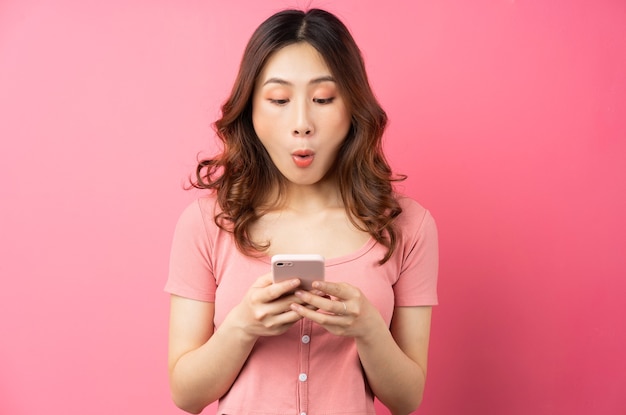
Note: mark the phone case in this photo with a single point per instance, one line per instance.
(307, 268)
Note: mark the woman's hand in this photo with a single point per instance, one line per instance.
(393, 359)
(264, 310)
(342, 309)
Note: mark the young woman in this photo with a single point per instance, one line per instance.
(301, 171)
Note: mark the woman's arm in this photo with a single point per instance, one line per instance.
(193, 344)
(394, 360)
(203, 362)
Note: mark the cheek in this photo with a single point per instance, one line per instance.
(343, 122)
(266, 118)
(260, 121)
(265, 129)
(341, 116)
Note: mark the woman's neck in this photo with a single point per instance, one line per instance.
(307, 199)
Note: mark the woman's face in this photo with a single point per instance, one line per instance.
(299, 114)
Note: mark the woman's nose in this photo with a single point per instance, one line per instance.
(302, 131)
(303, 126)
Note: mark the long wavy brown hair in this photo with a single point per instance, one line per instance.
(243, 174)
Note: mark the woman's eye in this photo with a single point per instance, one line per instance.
(323, 100)
(279, 101)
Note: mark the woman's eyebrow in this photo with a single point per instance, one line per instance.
(280, 81)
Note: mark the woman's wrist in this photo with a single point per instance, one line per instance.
(233, 327)
(375, 331)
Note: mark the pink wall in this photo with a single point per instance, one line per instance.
(509, 116)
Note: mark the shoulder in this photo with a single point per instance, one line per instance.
(200, 207)
(191, 252)
(415, 226)
(418, 255)
(198, 215)
(414, 216)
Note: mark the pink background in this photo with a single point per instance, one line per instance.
(509, 117)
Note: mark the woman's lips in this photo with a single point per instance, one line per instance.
(303, 158)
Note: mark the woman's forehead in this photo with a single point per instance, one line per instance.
(298, 63)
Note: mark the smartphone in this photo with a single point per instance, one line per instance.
(306, 267)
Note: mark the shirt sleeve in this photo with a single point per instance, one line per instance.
(417, 284)
(190, 269)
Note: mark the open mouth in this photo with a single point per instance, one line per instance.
(303, 158)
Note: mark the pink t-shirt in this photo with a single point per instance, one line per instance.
(305, 370)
